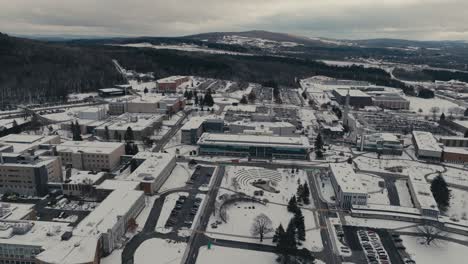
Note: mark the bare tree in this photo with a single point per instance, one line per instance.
(430, 233)
(262, 225)
(434, 110)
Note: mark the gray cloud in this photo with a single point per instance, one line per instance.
(411, 19)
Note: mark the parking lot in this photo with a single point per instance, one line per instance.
(264, 94)
(290, 96)
(187, 207)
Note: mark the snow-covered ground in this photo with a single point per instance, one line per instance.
(376, 223)
(225, 255)
(437, 252)
(158, 250)
(377, 194)
(458, 204)
(326, 188)
(178, 177)
(454, 176)
(425, 105)
(114, 258)
(169, 204)
(185, 47)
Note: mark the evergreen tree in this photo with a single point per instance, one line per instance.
(466, 134)
(304, 94)
(135, 149)
(77, 132)
(279, 233)
(299, 224)
(243, 100)
(190, 95)
(442, 117)
(300, 192)
(106, 133)
(319, 146)
(15, 124)
(128, 136)
(186, 94)
(306, 194)
(252, 97)
(208, 100)
(128, 148)
(466, 112)
(117, 136)
(292, 205)
(441, 193)
(290, 238)
(196, 100)
(201, 101)
(145, 90)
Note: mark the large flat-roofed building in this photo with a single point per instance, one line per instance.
(106, 92)
(101, 231)
(81, 182)
(389, 100)
(28, 174)
(455, 155)
(276, 128)
(170, 84)
(254, 146)
(22, 143)
(357, 98)
(91, 155)
(384, 143)
(459, 125)
(152, 170)
(143, 125)
(22, 240)
(348, 186)
(426, 146)
(460, 142)
(196, 126)
(149, 103)
(93, 113)
(422, 196)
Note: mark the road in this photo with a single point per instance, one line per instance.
(171, 133)
(199, 239)
(329, 255)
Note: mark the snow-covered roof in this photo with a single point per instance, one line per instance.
(151, 168)
(422, 190)
(85, 177)
(249, 123)
(137, 122)
(171, 79)
(426, 141)
(255, 140)
(346, 178)
(352, 92)
(454, 150)
(21, 142)
(42, 234)
(463, 123)
(197, 121)
(89, 147)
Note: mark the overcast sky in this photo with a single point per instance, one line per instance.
(351, 19)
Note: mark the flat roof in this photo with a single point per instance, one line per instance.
(97, 147)
(422, 190)
(256, 140)
(463, 123)
(42, 234)
(352, 92)
(461, 151)
(111, 90)
(264, 124)
(171, 79)
(21, 142)
(84, 177)
(389, 137)
(426, 141)
(197, 121)
(151, 168)
(346, 178)
(122, 122)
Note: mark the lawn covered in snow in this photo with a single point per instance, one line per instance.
(436, 253)
(458, 204)
(225, 255)
(425, 105)
(158, 250)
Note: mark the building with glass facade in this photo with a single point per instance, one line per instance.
(254, 146)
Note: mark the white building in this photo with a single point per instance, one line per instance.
(93, 113)
(143, 125)
(422, 196)
(22, 143)
(91, 155)
(426, 146)
(152, 171)
(277, 128)
(347, 184)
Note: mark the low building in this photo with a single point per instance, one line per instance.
(460, 142)
(426, 146)
(28, 174)
(330, 126)
(389, 100)
(254, 146)
(23, 143)
(143, 126)
(150, 104)
(455, 155)
(347, 185)
(93, 113)
(459, 125)
(422, 197)
(152, 170)
(277, 128)
(81, 182)
(196, 126)
(383, 143)
(357, 98)
(170, 84)
(107, 92)
(91, 155)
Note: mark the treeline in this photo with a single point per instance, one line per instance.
(39, 72)
(260, 69)
(430, 75)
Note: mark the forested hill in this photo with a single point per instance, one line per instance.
(48, 71)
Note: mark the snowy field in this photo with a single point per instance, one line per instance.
(218, 254)
(114, 258)
(161, 251)
(184, 47)
(425, 105)
(178, 177)
(458, 204)
(454, 176)
(377, 194)
(436, 253)
(169, 204)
